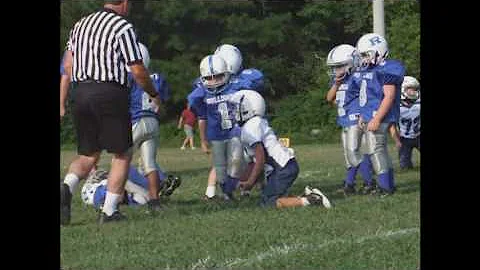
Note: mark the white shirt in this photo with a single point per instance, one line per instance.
(409, 121)
(257, 130)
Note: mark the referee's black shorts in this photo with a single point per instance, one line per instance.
(102, 118)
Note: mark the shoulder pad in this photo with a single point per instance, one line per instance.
(252, 73)
(394, 67)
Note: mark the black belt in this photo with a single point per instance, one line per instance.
(94, 81)
(101, 82)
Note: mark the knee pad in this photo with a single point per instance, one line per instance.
(148, 153)
(377, 148)
(353, 139)
(219, 156)
(344, 146)
(236, 163)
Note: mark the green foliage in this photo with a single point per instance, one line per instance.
(287, 41)
(403, 34)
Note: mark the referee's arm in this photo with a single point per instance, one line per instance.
(131, 51)
(142, 77)
(65, 81)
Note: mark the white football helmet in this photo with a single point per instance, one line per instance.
(248, 103)
(232, 56)
(342, 59)
(372, 48)
(410, 82)
(214, 73)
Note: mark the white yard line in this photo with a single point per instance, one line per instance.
(275, 251)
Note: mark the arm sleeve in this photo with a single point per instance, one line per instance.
(252, 133)
(393, 74)
(129, 45)
(195, 99)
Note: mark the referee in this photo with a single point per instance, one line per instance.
(100, 47)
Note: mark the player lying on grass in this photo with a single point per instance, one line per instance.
(277, 162)
(136, 188)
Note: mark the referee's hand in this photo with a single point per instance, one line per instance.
(158, 103)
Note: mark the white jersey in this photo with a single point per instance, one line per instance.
(257, 130)
(409, 123)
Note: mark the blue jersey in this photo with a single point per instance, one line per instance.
(346, 100)
(140, 102)
(136, 177)
(371, 81)
(255, 76)
(217, 109)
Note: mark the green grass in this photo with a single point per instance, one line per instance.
(360, 232)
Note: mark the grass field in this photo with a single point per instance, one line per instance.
(360, 232)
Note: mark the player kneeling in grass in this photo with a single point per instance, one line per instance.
(136, 188)
(279, 164)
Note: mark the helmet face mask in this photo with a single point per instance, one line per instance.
(367, 58)
(214, 73)
(410, 89)
(410, 94)
(340, 71)
(214, 81)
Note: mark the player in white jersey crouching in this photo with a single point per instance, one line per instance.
(279, 164)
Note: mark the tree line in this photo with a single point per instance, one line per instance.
(287, 40)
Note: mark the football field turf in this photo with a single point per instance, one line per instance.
(359, 232)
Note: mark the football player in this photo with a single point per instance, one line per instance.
(342, 60)
(216, 124)
(380, 83)
(234, 59)
(145, 127)
(94, 189)
(276, 161)
(409, 124)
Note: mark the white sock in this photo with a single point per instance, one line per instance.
(210, 191)
(305, 201)
(72, 181)
(111, 202)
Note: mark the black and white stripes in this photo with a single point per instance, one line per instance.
(102, 43)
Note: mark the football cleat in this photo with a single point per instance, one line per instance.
(315, 196)
(154, 206)
(116, 216)
(171, 183)
(349, 190)
(368, 189)
(65, 204)
(307, 191)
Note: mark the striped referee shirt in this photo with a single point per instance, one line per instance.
(102, 44)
